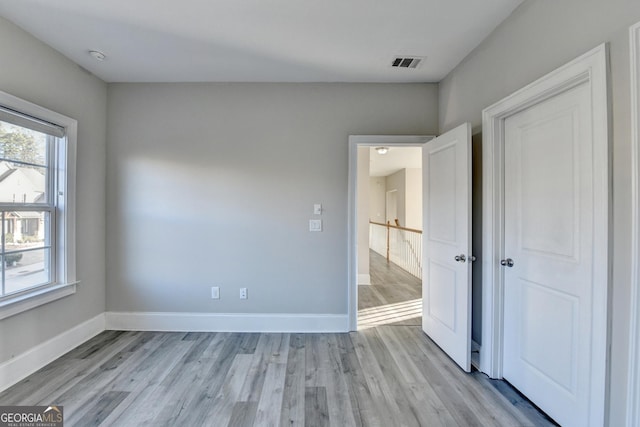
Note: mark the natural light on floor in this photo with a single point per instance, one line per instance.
(390, 313)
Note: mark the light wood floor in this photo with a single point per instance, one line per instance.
(393, 298)
(381, 376)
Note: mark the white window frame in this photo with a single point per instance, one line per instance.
(63, 222)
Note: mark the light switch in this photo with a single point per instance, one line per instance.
(315, 225)
(317, 209)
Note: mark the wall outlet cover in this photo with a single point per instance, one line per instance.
(315, 225)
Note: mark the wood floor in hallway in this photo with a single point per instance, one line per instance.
(393, 298)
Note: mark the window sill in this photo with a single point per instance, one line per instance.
(35, 298)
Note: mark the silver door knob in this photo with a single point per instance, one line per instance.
(460, 258)
(507, 262)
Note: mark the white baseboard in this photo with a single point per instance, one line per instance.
(25, 364)
(226, 322)
(364, 279)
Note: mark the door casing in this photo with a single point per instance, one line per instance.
(590, 68)
(356, 141)
(633, 393)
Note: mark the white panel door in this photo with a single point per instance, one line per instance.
(446, 277)
(549, 241)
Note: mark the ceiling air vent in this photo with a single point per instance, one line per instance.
(407, 61)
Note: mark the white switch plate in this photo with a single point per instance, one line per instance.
(243, 293)
(315, 225)
(215, 292)
(317, 209)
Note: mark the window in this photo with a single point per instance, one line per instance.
(37, 200)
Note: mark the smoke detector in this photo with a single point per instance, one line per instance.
(407, 61)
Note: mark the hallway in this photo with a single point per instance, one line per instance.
(393, 298)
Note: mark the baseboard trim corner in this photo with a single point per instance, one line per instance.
(25, 364)
(226, 322)
(364, 279)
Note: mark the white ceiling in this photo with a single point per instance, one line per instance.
(261, 40)
(396, 158)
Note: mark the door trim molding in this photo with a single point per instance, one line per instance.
(356, 141)
(591, 69)
(633, 387)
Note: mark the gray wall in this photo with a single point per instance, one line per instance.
(538, 37)
(413, 198)
(377, 207)
(33, 71)
(408, 186)
(214, 184)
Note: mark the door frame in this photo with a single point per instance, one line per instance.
(386, 205)
(592, 69)
(633, 388)
(356, 141)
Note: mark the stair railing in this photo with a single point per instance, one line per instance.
(400, 245)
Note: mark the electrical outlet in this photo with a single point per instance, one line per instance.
(243, 293)
(215, 292)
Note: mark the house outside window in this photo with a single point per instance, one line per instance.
(37, 203)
